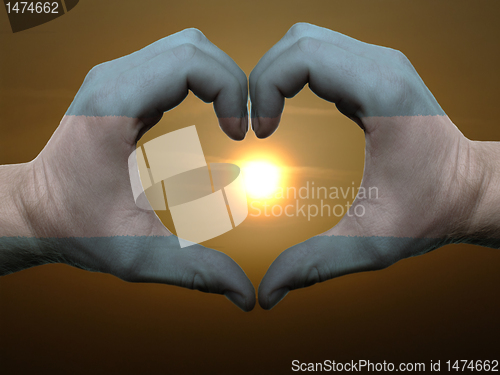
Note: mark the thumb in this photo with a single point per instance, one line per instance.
(160, 259)
(318, 259)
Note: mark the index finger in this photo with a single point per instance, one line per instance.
(333, 73)
(150, 82)
(306, 30)
(188, 36)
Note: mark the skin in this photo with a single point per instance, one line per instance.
(435, 186)
(73, 204)
(76, 204)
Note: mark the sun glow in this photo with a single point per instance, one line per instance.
(261, 178)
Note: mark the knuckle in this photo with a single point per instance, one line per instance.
(96, 72)
(313, 276)
(399, 58)
(198, 273)
(198, 283)
(316, 270)
(313, 264)
(299, 29)
(193, 34)
(308, 45)
(185, 51)
(402, 59)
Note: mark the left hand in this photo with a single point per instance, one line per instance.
(77, 195)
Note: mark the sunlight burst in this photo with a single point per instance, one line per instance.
(261, 178)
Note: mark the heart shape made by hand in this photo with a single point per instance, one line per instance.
(432, 181)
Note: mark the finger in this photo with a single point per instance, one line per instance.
(303, 30)
(188, 36)
(333, 74)
(160, 259)
(316, 260)
(162, 82)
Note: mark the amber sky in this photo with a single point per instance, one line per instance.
(440, 306)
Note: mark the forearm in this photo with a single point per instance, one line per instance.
(484, 226)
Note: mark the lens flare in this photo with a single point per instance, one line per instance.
(261, 178)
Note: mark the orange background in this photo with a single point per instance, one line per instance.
(443, 305)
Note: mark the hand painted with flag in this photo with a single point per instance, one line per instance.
(74, 203)
(435, 186)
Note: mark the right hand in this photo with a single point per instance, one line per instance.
(77, 198)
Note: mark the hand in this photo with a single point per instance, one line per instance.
(76, 198)
(431, 181)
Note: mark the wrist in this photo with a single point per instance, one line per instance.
(17, 245)
(483, 225)
(20, 245)
(14, 188)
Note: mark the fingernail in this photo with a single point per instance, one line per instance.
(230, 126)
(255, 124)
(244, 124)
(237, 299)
(277, 296)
